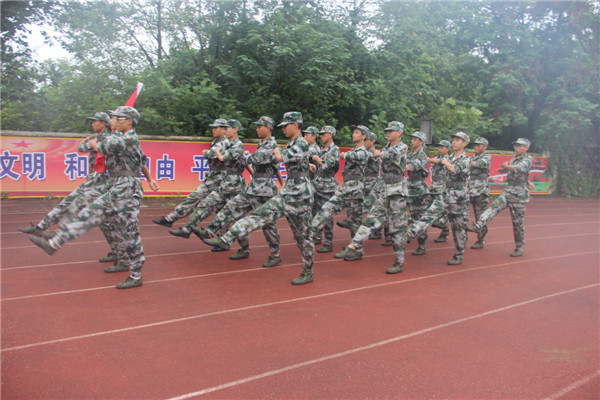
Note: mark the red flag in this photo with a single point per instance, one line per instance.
(133, 98)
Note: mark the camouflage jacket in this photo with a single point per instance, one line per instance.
(438, 176)
(84, 147)
(517, 190)
(393, 167)
(480, 172)
(371, 171)
(125, 164)
(216, 173)
(325, 181)
(456, 183)
(313, 150)
(234, 167)
(354, 170)
(297, 190)
(417, 186)
(265, 166)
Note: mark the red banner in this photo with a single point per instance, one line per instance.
(43, 167)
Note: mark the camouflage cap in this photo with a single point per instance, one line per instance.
(328, 129)
(371, 136)
(100, 116)
(219, 122)
(522, 141)
(127, 112)
(463, 136)
(265, 121)
(234, 123)
(395, 126)
(312, 130)
(444, 143)
(419, 135)
(361, 128)
(481, 140)
(291, 117)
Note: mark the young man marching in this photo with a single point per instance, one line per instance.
(515, 196)
(390, 208)
(479, 188)
(454, 201)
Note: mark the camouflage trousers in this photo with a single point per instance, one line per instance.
(74, 202)
(393, 212)
(479, 203)
(187, 206)
(320, 199)
(371, 197)
(417, 206)
(298, 216)
(517, 215)
(443, 220)
(335, 204)
(458, 214)
(235, 209)
(120, 211)
(212, 203)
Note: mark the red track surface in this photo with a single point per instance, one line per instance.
(203, 326)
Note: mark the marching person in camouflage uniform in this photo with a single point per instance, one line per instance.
(374, 184)
(438, 183)
(231, 184)
(326, 165)
(212, 180)
(82, 195)
(454, 201)
(294, 201)
(418, 191)
(390, 208)
(479, 187)
(310, 135)
(260, 189)
(515, 196)
(350, 194)
(119, 200)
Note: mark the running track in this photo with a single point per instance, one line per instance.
(203, 326)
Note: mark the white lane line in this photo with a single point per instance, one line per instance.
(573, 386)
(372, 345)
(256, 306)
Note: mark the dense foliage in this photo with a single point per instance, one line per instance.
(499, 69)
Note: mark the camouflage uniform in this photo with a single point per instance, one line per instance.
(418, 191)
(294, 201)
(211, 181)
(391, 207)
(118, 201)
(479, 187)
(454, 202)
(439, 175)
(349, 195)
(515, 197)
(260, 189)
(231, 184)
(326, 184)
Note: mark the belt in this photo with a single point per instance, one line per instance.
(297, 174)
(326, 173)
(353, 177)
(371, 175)
(114, 174)
(415, 178)
(479, 177)
(392, 179)
(258, 175)
(454, 185)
